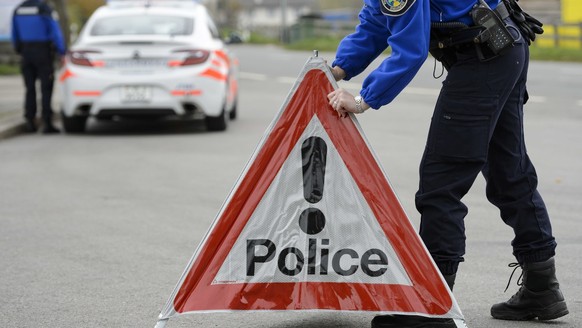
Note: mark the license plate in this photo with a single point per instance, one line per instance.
(136, 93)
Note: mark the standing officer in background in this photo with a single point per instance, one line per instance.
(477, 127)
(36, 36)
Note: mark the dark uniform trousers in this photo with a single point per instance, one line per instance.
(38, 64)
(477, 126)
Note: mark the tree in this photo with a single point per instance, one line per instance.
(60, 8)
(74, 12)
(228, 11)
(81, 10)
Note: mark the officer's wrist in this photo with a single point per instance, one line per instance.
(338, 73)
(361, 105)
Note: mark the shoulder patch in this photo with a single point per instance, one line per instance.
(395, 7)
(27, 11)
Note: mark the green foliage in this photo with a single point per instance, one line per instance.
(321, 44)
(79, 11)
(257, 38)
(556, 54)
(536, 53)
(9, 69)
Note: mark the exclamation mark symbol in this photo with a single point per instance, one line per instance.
(312, 220)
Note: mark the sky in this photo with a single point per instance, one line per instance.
(6, 8)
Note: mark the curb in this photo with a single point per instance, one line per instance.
(14, 124)
(11, 126)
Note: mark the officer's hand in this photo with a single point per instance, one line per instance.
(338, 73)
(344, 103)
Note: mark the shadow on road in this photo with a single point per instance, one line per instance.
(144, 127)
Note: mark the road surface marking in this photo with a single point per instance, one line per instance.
(537, 99)
(286, 79)
(252, 76)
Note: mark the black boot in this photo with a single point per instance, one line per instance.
(30, 126)
(49, 128)
(538, 297)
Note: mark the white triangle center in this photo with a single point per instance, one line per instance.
(351, 247)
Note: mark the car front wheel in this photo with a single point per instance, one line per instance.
(233, 113)
(216, 123)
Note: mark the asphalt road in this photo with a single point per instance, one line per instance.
(96, 229)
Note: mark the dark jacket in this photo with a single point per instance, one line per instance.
(33, 21)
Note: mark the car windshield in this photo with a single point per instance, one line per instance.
(143, 25)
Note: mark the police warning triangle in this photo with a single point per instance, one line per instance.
(312, 224)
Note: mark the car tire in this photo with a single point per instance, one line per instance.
(233, 112)
(216, 123)
(74, 124)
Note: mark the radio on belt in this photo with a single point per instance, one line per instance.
(495, 34)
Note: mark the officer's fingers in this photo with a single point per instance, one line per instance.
(339, 92)
(333, 104)
(338, 109)
(345, 97)
(332, 94)
(331, 97)
(334, 97)
(343, 112)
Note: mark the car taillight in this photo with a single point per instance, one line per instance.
(193, 57)
(78, 57)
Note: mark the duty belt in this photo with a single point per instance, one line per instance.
(457, 33)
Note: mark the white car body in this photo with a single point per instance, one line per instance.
(149, 59)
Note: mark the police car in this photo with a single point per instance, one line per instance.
(152, 59)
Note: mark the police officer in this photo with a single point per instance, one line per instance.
(36, 36)
(477, 127)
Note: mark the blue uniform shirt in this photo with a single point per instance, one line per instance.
(33, 21)
(404, 25)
